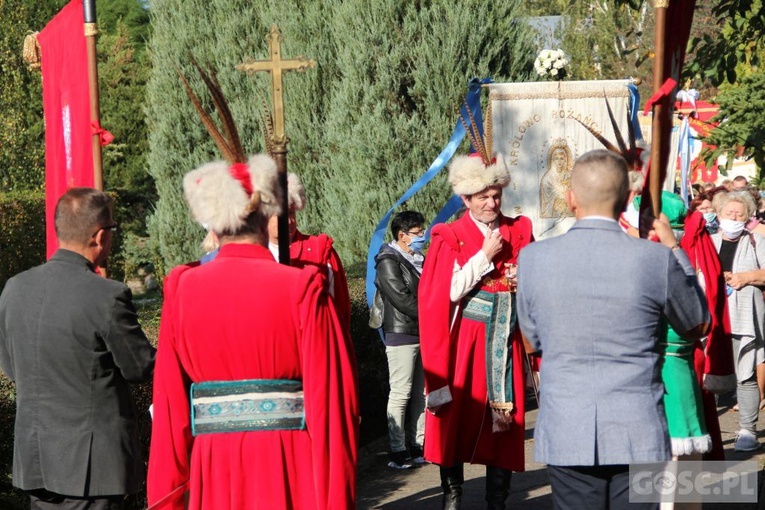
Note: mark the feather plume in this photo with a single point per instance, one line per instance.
(477, 136)
(614, 125)
(608, 145)
(224, 112)
(218, 138)
(489, 131)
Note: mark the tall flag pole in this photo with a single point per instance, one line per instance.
(91, 31)
(658, 172)
(669, 55)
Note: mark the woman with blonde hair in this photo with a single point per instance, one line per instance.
(741, 256)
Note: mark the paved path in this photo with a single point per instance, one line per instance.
(419, 489)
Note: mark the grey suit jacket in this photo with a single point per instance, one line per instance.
(71, 341)
(592, 300)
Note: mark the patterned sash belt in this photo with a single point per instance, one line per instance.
(254, 404)
(497, 311)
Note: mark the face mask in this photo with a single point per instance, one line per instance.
(418, 242)
(709, 217)
(732, 229)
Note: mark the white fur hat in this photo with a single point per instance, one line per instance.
(219, 201)
(468, 174)
(295, 192)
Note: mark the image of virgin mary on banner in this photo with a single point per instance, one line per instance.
(537, 129)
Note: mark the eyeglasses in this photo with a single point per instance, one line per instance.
(113, 227)
(418, 233)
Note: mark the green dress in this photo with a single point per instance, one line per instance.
(682, 397)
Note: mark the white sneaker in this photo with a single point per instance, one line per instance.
(746, 441)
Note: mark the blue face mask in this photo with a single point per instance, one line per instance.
(417, 244)
(709, 217)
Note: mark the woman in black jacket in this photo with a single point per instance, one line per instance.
(399, 265)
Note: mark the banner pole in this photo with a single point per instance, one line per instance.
(657, 173)
(91, 30)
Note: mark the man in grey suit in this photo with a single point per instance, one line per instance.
(592, 301)
(71, 341)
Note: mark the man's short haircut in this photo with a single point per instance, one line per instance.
(80, 212)
(405, 221)
(740, 178)
(600, 178)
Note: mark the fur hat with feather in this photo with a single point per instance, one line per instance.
(468, 174)
(219, 201)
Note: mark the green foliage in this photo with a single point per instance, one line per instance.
(739, 39)
(22, 151)
(609, 40)
(22, 233)
(133, 15)
(364, 125)
(122, 72)
(741, 124)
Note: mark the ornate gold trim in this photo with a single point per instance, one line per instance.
(513, 96)
(91, 30)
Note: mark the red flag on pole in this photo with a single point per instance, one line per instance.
(66, 103)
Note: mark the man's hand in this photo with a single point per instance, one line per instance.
(492, 244)
(663, 231)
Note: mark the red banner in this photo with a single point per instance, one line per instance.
(66, 102)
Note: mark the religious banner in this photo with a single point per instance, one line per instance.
(66, 102)
(537, 131)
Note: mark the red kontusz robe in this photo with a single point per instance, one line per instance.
(317, 250)
(244, 316)
(461, 430)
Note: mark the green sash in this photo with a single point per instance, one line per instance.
(497, 312)
(252, 404)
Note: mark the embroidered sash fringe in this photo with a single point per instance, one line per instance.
(252, 404)
(497, 311)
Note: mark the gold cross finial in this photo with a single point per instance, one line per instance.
(276, 66)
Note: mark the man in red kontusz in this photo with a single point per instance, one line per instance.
(255, 395)
(472, 352)
(312, 250)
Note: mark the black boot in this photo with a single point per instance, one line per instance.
(451, 481)
(497, 487)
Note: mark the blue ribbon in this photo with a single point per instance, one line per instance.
(684, 150)
(634, 108)
(473, 99)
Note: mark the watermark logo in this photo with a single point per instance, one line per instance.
(694, 482)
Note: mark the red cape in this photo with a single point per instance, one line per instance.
(317, 251)
(716, 361)
(461, 431)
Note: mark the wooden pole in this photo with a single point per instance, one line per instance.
(280, 156)
(91, 30)
(657, 172)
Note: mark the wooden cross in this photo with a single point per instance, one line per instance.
(276, 66)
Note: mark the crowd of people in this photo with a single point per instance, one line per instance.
(255, 399)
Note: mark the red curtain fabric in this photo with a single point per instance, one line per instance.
(66, 102)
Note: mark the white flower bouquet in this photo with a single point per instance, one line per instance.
(551, 64)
